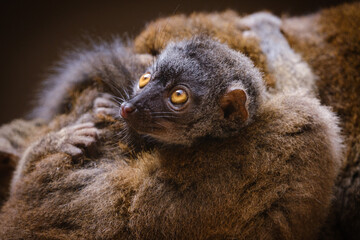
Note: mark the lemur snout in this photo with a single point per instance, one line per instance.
(126, 109)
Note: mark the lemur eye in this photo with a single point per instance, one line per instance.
(144, 79)
(178, 97)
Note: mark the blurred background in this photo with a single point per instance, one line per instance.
(36, 33)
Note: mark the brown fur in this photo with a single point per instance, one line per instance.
(80, 71)
(281, 191)
(329, 42)
(14, 138)
(105, 194)
(48, 202)
(333, 50)
(233, 190)
(221, 26)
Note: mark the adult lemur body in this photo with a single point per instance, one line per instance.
(231, 166)
(268, 179)
(328, 42)
(162, 195)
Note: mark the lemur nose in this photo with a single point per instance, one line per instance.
(126, 109)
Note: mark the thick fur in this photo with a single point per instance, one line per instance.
(202, 192)
(329, 42)
(105, 194)
(290, 71)
(110, 63)
(46, 179)
(60, 196)
(15, 137)
(61, 186)
(67, 140)
(209, 70)
(105, 66)
(231, 189)
(220, 26)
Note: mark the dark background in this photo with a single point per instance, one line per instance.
(34, 34)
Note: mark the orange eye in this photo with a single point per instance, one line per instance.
(144, 79)
(179, 96)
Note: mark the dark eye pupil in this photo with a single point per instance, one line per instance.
(179, 92)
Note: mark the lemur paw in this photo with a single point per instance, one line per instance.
(105, 106)
(72, 138)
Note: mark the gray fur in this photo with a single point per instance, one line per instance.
(68, 140)
(209, 69)
(268, 181)
(290, 71)
(112, 63)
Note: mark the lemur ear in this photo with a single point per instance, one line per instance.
(233, 104)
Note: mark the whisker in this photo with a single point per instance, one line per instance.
(114, 87)
(160, 124)
(119, 98)
(127, 94)
(119, 90)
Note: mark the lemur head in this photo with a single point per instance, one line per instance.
(196, 88)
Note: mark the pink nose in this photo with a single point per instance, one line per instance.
(126, 109)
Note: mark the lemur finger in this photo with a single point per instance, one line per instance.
(81, 126)
(82, 140)
(87, 117)
(104, 101)
(105, 111)
(72, 150)
(107, 96)
(93, 132)
(104, 106)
